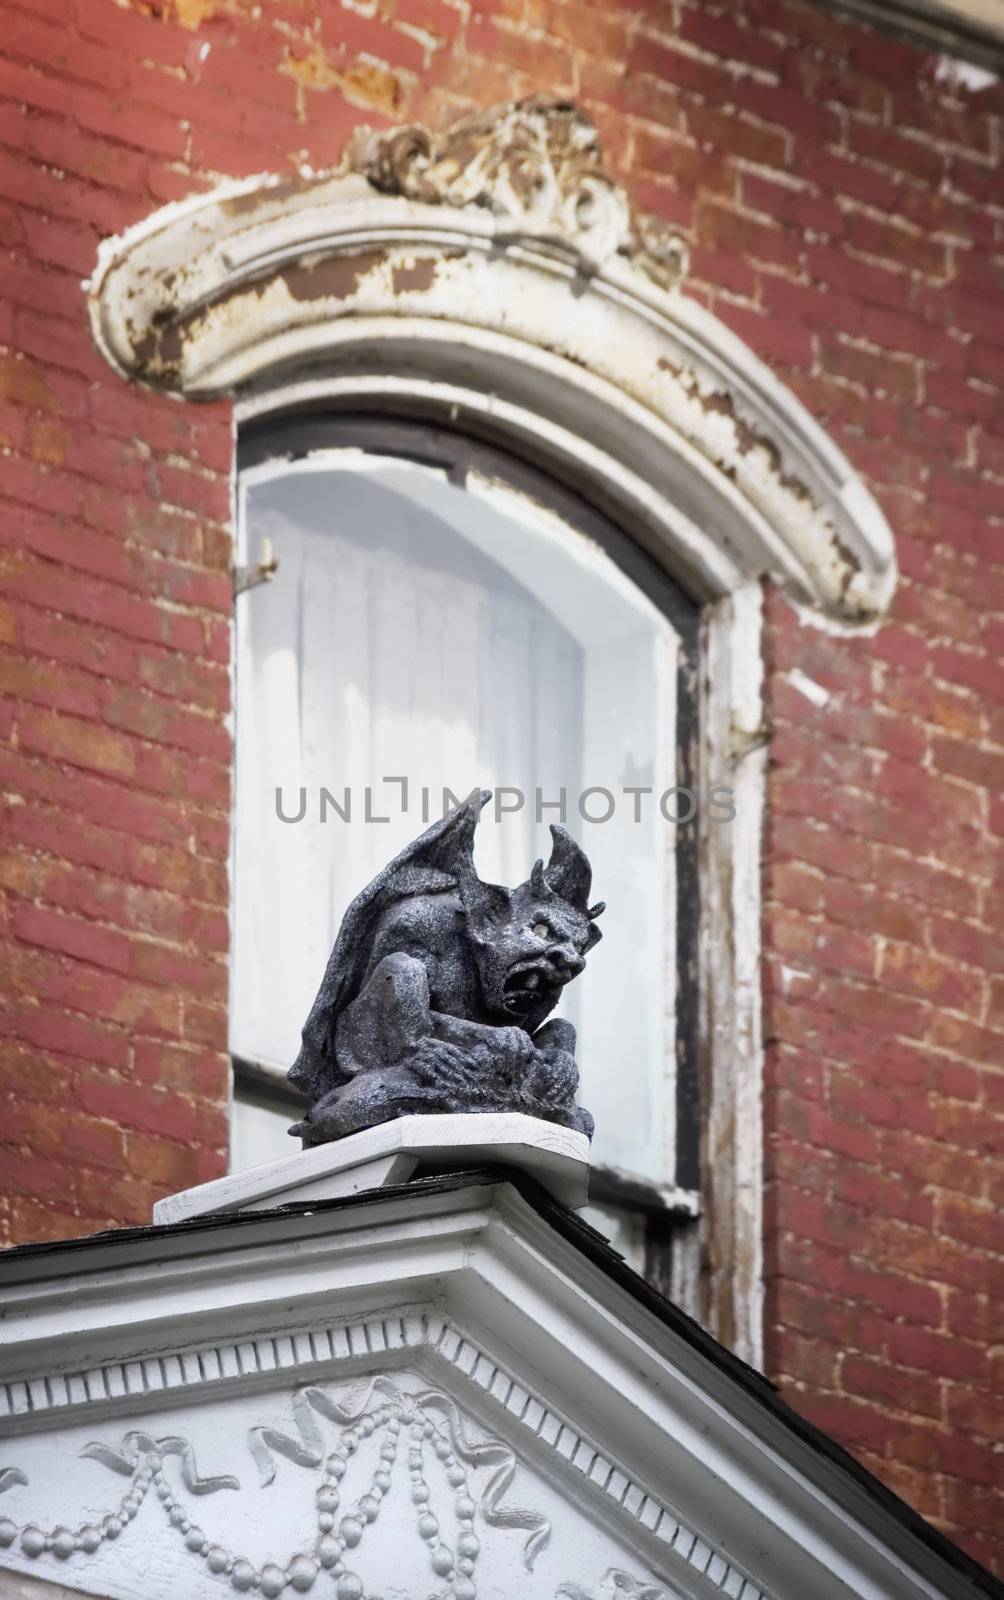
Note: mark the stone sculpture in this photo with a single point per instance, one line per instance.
(437, 990)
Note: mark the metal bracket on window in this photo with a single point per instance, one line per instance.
(743, 741)
(261, 571)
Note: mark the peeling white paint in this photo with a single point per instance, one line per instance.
(805, 685)
(790, 976)
(688, 411)
(735, 753)
(964, 74)
(810, 617)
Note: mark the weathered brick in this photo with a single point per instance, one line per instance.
(65, 1034)
(162, 1162)
(82, 744)
(919, 1395)
(656, 57)
(88, 942)
(891, 372)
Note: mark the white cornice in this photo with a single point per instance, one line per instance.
(548, 323)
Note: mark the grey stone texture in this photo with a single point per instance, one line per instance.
(436, 992)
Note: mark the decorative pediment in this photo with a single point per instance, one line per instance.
(388, 1479)
(493, 278)
(448, 1390)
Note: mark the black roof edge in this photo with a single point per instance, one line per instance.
(931, 25)
(596, 1249)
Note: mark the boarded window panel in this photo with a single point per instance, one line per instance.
(259, 1130)
(456, 636)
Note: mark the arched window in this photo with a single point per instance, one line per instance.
(443, 617)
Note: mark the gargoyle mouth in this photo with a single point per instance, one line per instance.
(528, 985)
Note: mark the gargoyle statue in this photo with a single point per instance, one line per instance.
(436, 991)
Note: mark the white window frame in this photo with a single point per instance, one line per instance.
(625, 1188)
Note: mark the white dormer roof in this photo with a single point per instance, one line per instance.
(447, 1390)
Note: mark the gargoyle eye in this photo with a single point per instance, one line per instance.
(541, 930)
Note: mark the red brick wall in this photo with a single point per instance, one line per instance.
(114, 671)
(847, 216)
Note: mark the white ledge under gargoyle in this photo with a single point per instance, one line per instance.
(494, 277)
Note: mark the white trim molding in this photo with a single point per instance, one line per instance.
(494, 275)
(731, 1291)
(608, 1397)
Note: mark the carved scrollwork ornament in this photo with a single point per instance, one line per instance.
(437, 1439)
(537, 163)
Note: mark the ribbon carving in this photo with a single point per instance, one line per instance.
(134, 1446)
(480, 1453)
(306, 1449)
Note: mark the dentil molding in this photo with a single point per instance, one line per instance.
(482, 1469)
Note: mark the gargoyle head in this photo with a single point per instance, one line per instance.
(532, 940)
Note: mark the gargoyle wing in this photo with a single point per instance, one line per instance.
(439, 860)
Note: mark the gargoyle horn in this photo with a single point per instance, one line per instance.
(568, 872)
